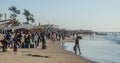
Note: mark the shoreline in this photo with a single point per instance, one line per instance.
(71, 40)
(55, 53)
(77, 54)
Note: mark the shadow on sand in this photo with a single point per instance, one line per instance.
(32, 55)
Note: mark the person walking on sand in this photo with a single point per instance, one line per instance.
(27, 39)
(36, 39)
(77, 46)
(44, 46)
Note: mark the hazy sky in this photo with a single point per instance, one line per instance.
(97, 15)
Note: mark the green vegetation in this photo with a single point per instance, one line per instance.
(29, 17)
(14, 11)
(14, 14)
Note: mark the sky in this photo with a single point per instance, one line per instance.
(96, 15)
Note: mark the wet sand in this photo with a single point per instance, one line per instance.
(53, 54)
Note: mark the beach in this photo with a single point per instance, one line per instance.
(64, 31)
(54, 53)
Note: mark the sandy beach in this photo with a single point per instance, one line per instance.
(53, 54)
(59, 31)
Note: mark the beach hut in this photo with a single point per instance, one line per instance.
(24, 27)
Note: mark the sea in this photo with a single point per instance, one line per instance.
(101, 48)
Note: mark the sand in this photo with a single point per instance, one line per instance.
(53, 54)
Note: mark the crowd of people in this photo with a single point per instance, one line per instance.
(18, 39)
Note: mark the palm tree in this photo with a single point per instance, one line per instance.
(14, 14)
(29, 17)
(0, 16)
(26, 14)
(14, 11)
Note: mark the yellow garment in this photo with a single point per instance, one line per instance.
(12, 29)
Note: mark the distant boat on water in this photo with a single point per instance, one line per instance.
(101, 33)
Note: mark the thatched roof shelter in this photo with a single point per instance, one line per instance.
(39, 28)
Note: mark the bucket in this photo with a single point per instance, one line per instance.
(23, 45)
(15, 48)
(32, 46)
